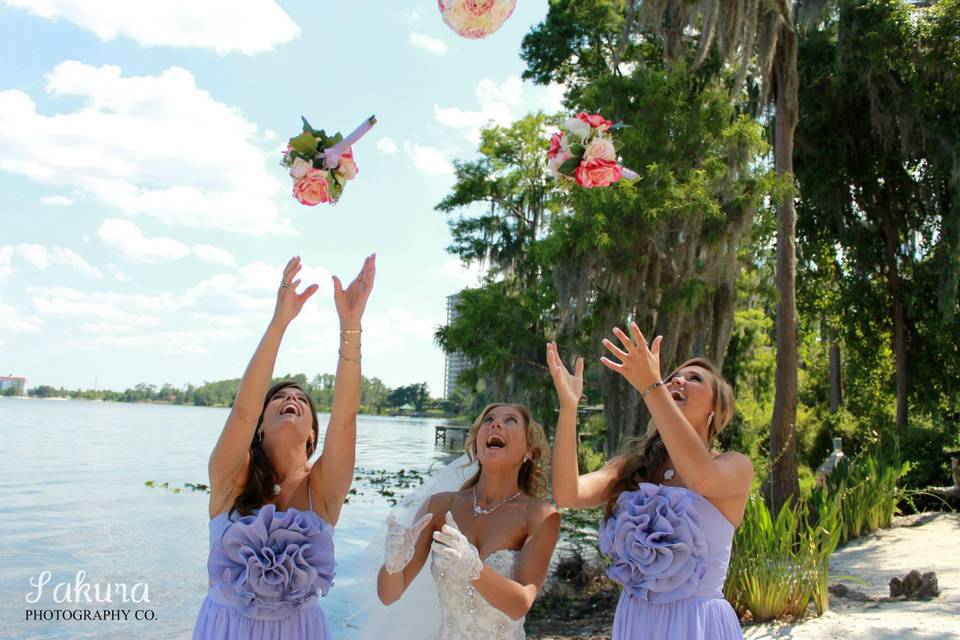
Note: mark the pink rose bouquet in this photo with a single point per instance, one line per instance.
(321, 164)
(475, 18)
(583, 152)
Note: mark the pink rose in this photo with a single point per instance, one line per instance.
(600, 149)
(598, 173)
(555, 144)
(348, 168)
(595, 120)
(478, 7)
(312, 189)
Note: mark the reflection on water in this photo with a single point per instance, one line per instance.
(74, 499)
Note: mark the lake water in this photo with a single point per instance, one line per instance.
(74, 499)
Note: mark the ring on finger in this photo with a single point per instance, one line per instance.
(284, 285)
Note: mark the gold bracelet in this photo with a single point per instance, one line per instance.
(357, 360)
(646, 392)
(354, 331)
(350, 344)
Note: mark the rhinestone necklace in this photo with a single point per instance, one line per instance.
(478, 511)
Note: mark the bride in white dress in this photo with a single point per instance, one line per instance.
(490, 542)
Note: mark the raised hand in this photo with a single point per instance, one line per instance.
(401, 542)
(569, 386)
(352, 301)
(289, 302)
(454, 553)
(639, 364)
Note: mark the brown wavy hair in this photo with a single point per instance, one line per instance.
(261, 476)
(645, 457)
(531, 478)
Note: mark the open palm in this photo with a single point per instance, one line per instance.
(352, 301)
(569, 385)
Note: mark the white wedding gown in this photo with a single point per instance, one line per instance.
(465, 614)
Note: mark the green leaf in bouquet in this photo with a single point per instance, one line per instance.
(569, 168)
(335, 188)
(618, 127)
(577, 151)
(306, 125)
(318, 162)
(305, 143)
(332, 140)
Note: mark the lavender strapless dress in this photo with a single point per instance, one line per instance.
(267, 572)
(670, 549)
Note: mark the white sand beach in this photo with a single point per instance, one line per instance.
(874, 559)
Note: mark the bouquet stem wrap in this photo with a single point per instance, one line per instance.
(331, 156)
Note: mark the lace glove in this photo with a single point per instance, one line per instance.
(454, 553)
(401, 542)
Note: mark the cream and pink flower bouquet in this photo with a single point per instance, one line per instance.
(475, 18)
(583, 152)
(321, 164)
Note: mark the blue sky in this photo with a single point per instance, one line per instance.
(144, 217)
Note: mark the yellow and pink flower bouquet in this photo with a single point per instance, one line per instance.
(321, 164)
(583, 152)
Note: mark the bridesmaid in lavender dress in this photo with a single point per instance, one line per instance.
(272, 513)
(672, 502)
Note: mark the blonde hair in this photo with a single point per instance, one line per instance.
(531, 478)
(646, 456)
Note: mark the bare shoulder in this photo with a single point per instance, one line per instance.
(439, 503)
(736, 458)
(540, 511)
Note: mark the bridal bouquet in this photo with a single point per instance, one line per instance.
(475, 18)
(322, 164)
(583, 152)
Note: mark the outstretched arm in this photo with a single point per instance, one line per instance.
(231, 455)
(514, 597)
(570, 489)
(332, 474)
(390, 586)
(723, 476)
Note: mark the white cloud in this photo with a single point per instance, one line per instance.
(429, 160)
(500, 105)
(214, 255)
(427, 43)
(43, 257)
(126, 237)
(387, 146)
(90, 311)
(12, 320)
(461, 275)
(221, 25)
(150, 145)
(57, 201)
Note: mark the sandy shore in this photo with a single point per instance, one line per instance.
(925, 543)
(933, 545)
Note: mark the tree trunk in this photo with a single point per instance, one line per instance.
(899, 320)
(836, 388)
(836, 364)
(783, 482)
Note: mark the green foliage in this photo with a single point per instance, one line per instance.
(780, 564)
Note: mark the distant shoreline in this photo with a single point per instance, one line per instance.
(452, 419)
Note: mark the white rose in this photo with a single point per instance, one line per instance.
(300, 168)
(556, 161)
(600, 149)
(578, 128)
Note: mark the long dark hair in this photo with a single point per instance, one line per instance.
(646, 457)
(531, 478)
(261, 476)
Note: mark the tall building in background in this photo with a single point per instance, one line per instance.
(455, 362)
(19, 385)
